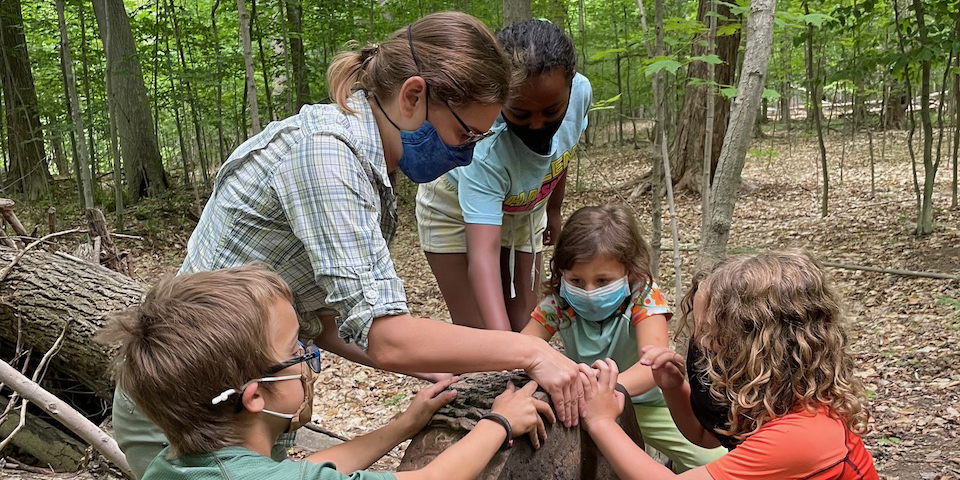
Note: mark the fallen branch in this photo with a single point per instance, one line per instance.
(37, 375)
(11, 464)
(65, 414)
(892, 271)
(13, 263)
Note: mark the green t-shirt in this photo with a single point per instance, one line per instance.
(234, 463)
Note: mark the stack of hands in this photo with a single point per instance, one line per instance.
(593, 397)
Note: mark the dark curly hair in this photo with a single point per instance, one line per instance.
(537, 47)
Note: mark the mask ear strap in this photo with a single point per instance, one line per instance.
(416, 62)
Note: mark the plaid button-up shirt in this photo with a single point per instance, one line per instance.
(310, 196)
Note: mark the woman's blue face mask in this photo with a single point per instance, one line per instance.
(425, 155)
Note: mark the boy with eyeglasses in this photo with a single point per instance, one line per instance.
(213, 358)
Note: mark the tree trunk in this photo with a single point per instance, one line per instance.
(44, 292)
(176, 94)
(48, 444)
(74, 102)
(191, 97)
(91, 145)
(264, 68)
(956, 135)
(59, 158)
(686, 152)
(300, 74)
(895, 111)
(726, 184)
(29, 172)
(569, 454)
(925, 220)
(251, 81)
(616, 39)
(515, 11)
(142, 164)
(813, 88)
(221, 143)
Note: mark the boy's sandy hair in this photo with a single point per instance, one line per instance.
(774, 339)
(610, 230)
(193, 337)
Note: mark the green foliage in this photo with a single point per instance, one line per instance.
(951, 302)
(662, 63)
(857, 52)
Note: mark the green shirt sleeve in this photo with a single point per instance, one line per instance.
(328, 471)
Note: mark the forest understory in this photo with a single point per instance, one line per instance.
(904, 330)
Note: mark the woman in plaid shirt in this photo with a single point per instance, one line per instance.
(310, 196)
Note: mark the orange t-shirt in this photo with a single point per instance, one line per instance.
(802, 446)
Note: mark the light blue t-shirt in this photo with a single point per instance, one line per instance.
(507, 177)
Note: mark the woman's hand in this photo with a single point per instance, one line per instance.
(559, 376)
(523, 412)
(425, 404)
(668, 367)
(602, 401)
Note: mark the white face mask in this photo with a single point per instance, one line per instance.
(296, 418)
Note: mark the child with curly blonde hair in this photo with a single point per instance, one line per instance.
(770, 378)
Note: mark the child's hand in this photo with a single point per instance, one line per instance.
(602, 401)
(426, 403)
(523, 412)
(668, 367)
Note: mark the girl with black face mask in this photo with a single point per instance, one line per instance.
(485, 225)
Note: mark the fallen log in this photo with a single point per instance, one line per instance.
(44, 441)
(568, 454)
(44, 292)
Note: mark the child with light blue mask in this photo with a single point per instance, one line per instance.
(603, 302)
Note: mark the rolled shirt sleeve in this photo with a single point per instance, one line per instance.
(334, 209)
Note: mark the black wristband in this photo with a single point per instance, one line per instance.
(508, 442)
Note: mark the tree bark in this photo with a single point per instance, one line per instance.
(142, 164)
(191, 97)
(925, 220)
(74, 102)
(515, 11)
(176, 93)
(251, 85)
(569, 454)
(956, 135)
(92, 146)
(264, 67)
(45, 292)
(813, 84)
(300, 75)
(29, 173)
(686, 152)
(221, 143)
(45, 442)
(756, 59)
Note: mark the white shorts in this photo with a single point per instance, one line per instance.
(443, 230)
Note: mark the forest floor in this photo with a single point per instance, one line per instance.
(904, 330)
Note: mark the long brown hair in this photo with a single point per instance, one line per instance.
(193, 337)
(457, 55)
(610, 230)
(774, 339)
